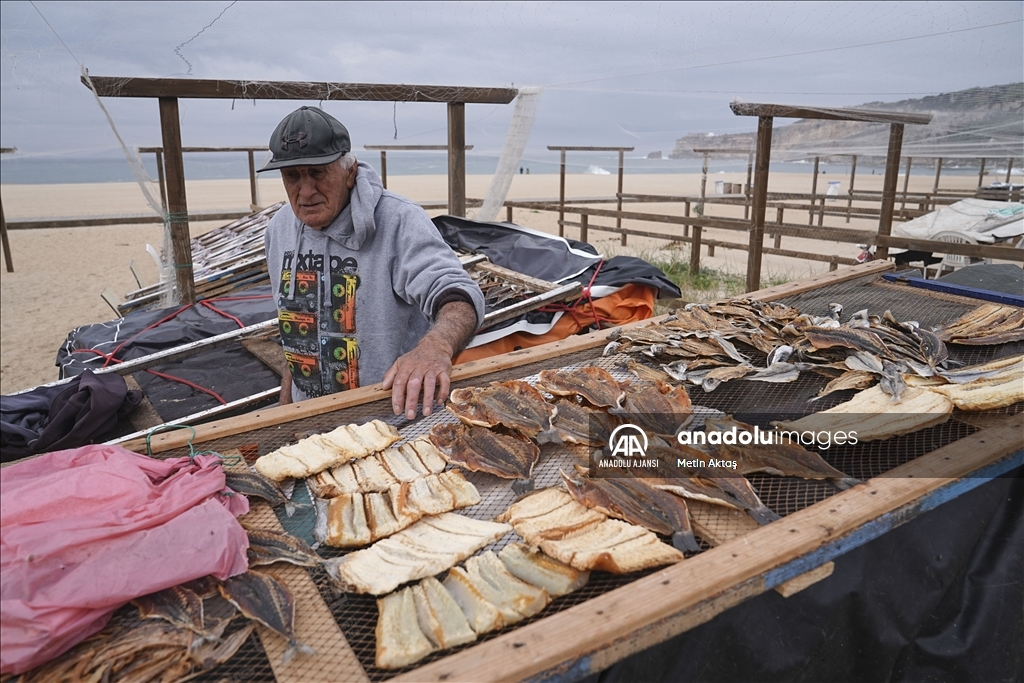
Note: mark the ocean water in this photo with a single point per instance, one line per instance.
(17, 169)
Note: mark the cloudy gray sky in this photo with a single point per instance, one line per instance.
(613, 73)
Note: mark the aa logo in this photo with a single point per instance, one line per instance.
(628, 441)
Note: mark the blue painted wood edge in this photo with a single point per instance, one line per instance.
(960, 290)
(890, 520)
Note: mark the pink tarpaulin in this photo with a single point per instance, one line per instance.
(84, 531)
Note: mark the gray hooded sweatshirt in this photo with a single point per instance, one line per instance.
(366, 287)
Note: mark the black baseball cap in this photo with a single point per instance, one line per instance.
(308, 137)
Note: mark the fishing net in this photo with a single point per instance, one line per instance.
(515, 144)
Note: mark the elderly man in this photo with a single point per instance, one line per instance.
(367, 291)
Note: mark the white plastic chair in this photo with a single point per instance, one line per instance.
(954, 261)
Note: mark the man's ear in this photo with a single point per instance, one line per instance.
(352, 176)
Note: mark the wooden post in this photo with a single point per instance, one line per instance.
(583, 226)
(821, 213)
(938, 172)
(384, 168)
(457, 159)
(252, 181)
(849, 201)
(1009, 168)
(561, 195)
(981, 173)
(8, 259)
(746, 188)
(508, 214)
(764, 152)
(892, 170)
(779, 213)
(814, 192)
(906, 183)
(686, 212)
(177, 205)
(618, 220)
(161, 179)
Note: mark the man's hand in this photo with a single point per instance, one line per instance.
(424, 371)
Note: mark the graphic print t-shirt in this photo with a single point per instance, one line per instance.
(318, 323)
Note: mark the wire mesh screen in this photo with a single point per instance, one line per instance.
(356, 615)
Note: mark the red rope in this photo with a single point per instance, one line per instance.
(575, 307)
(156, 324)
(164, 375)
(207, 304)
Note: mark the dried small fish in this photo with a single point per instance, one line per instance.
(645, 372)
(253, 484)
(852, 379)
(780, 353)
(858, 340)
(514, 404)
(717, 376)
(177, 605)
(262, 597)
(593, 384)
(219, 651)
(778, 372)
(864, 361)
(268, 547)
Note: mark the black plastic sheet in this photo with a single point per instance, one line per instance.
(940, 598)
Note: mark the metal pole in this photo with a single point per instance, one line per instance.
(906, 183)
(764, 150)
(849, 201)
(746, 188)
(618, 219)
(384, 168)
(814, 192)
(457, 158)
(177, 205)
(561, 195)
(892, 170)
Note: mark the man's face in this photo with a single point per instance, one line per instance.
(318, 193)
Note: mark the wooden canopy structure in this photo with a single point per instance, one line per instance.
(766, 113)
(169, 90)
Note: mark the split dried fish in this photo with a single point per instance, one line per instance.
(581, 425)
(858, 340)
(985, 325)
(482, 450)
(661, 407)
(593, 384)
(635, 502)
(853, 379)
(782, 459)
(262, 597)
(252, 484)
(267, 547)
(177, 605)
(514, 405)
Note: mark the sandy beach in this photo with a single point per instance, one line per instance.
(60, 273)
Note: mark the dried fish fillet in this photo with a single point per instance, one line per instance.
(483, 617)
(537, 569)
(514, 599)
(252, 484)
(323, 451)
(440, 617)
(987, 324)
(568, 531)
(853, 379)
(262, 597)
(400, 641)
(357, 519)
(405, 464)
(428, 547)
(658, 406)
(985, 394)
(581, 425)
(873, 416)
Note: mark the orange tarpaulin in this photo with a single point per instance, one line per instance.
(629, 304)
